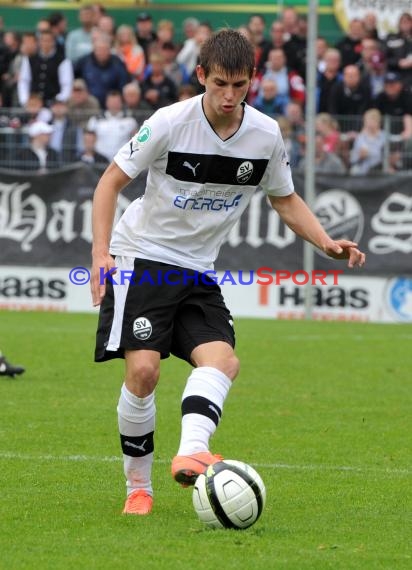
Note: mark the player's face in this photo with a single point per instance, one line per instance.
(224, 93)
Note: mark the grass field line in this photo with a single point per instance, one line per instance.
(115, 459)
(327, 337)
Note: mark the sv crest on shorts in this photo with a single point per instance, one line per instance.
(142, 328)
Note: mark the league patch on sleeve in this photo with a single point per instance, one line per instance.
(144, 134)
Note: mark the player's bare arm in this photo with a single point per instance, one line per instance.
(104, 207)
(298, 216)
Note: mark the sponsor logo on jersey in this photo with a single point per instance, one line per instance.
(142, 328)
(244, 172)
(190, 167)
(208, 204)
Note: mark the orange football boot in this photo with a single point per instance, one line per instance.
(138, 503)
(187, 468)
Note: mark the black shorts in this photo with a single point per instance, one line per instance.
(157, 306)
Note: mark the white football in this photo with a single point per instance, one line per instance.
(230, 494)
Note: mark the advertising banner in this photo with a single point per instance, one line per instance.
(387, 12)
(339, 297)
(45, 221)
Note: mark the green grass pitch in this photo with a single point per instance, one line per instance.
(322, 410)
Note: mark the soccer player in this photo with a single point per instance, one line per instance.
(205, 158)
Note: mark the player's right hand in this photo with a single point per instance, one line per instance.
(101, 265)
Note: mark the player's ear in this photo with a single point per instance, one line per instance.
(201, 76)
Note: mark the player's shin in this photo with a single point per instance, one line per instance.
(136, 418)
(202, 404)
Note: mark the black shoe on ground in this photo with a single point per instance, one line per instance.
(7, 369)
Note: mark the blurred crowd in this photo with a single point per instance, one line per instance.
(78, 95)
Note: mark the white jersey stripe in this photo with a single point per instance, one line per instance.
(120, 293)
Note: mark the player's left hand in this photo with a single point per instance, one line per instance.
(345, 249)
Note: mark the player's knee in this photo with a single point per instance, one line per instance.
(230, 366)
(141, 378)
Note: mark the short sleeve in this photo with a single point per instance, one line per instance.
(277, 180)
(144, 148)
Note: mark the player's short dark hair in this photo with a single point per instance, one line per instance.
(229, 51)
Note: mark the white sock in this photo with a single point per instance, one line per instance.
(136, 426)
(202, 402)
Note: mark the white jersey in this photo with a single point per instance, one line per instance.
(198, 185)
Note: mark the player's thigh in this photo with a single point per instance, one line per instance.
(149, 311)
(202, 321)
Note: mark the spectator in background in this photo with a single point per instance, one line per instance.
(189, 26)
(102, 70)
(4, 61)
(269, 101)
(349, 99)
(368, 147)
(47, 72)
(38, 155)
(399, 49)
(113, 128)
(396, 102)
(89, 154)
(42, 25)
(294, 114)
(257, 26)
(29, 44)
(165, 31)
(99, 10)
(107, 26)
(330, 77)
(376, 74)
(369, 48)
(289, 83)
(292, 146)
(34, 110)
(289, 18)
(325, 162)
(132, 99)
(10, 68)
(351, 44)
(158, 89)
(81, 104)
(277, 37)
(188, 53)
(370, 24)
(58, 26)
(145, 33)
(79, 41)
(295, 48)
(65, 136)
(203, 32)
(129, 51)
(328, 127)
(173, 69)
(322, 47)
(185, 92)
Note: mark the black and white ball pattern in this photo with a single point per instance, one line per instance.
(230, 494)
